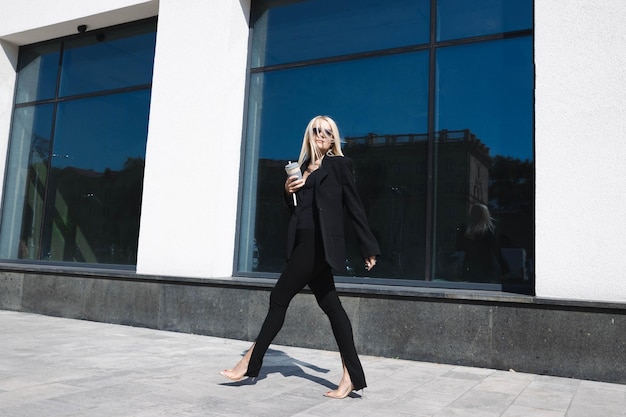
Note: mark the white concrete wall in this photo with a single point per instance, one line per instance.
(580, 137)
(191, 182)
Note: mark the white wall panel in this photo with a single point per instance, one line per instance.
(191, 181)
(580, 56)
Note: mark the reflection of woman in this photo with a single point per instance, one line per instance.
(315, 244)
(483, 261)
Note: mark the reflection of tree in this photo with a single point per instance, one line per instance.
(92, 216)
(40, 148)
(511, 184)
(37, 173)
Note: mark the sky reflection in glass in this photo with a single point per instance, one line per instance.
(101, 132)
(108, 64)
(462, 18)
(385, 95)
(306, 30)
(488, 88)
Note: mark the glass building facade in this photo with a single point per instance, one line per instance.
(77, 149)
(434, 101)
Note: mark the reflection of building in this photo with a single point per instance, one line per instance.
(392, 178)
(461, 180)
(391, 173)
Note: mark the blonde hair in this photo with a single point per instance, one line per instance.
(309, 151)
(480, 221)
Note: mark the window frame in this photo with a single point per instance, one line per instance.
(432, 46)
(55, 101)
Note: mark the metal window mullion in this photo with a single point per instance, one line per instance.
(430, 181)
(55, 102)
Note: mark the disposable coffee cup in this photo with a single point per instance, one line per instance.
(293, 168)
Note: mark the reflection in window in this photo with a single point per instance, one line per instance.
(359, 94)
(75, 168)
(488, 95)
(436, 114)
(106, 60)
(37, 74)
(463, 19)
(302, 30)
(26, 181)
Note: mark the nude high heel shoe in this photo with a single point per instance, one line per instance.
(226, 374)
(340, 395)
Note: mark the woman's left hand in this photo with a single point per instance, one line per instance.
(293, 184)
(370, 262)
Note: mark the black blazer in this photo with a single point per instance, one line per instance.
(334, 191)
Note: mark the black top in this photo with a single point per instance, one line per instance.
(306, 202)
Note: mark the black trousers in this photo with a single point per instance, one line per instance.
(307, 266)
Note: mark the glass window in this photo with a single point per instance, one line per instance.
(37, 73)
(289, 31)
(106, 60)
(487, 87)
(367, 97)
(26, 179)
(463, 19)
(436, 115)
(93, 198)
(75, 169)
(485, 127)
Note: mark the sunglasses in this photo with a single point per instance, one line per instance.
(319, 131)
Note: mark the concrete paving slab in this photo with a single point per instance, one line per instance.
(57, 367)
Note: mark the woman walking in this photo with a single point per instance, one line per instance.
(315, 246)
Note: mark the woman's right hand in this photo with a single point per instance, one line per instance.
(293, 184)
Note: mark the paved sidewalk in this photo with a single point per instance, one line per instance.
(53, 367)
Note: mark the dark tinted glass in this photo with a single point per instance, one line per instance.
(488, 88)
(37, 73)
(75, 166)
(485, 155)
(431, 134)
(94, 195)
(463, 18)
(380, 105)
(386, 95)
(101, 133)
(301, 30)
(108, 59)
